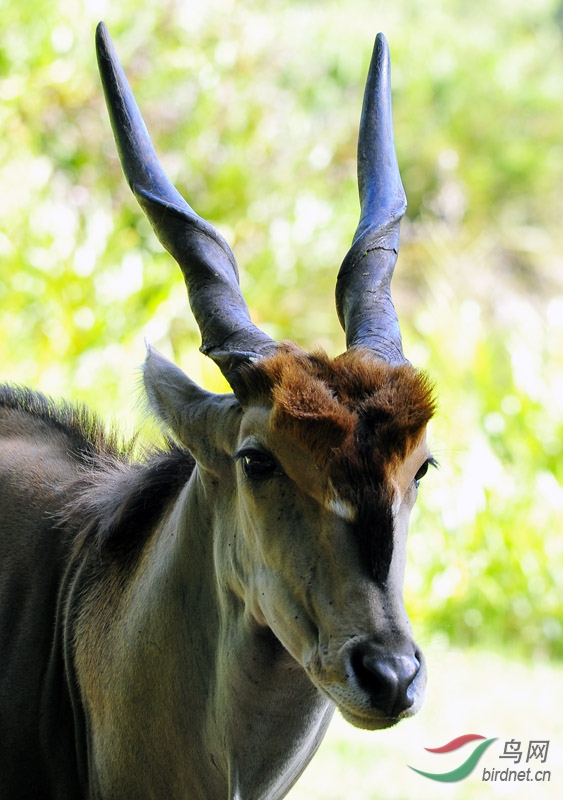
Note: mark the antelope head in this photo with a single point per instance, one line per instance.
(317, 460)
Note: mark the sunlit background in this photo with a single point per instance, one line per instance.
(254, 109)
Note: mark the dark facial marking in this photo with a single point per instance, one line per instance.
(368, 491)
(374, 529)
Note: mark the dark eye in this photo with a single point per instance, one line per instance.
(257, 465)
(421, 472)
(430, 462)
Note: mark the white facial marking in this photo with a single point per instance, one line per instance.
(342, 508)
(397, 497)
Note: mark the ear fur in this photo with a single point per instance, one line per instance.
(206, 423)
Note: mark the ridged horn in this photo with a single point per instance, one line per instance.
(363, 287)
(210, 271)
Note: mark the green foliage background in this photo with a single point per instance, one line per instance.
(254, 108)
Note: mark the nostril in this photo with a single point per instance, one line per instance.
(387, 679)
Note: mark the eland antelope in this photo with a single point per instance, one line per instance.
(183, 626)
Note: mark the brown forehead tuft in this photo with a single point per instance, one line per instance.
(355, 415)
(325, 403)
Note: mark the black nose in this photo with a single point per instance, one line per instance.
(387, 679)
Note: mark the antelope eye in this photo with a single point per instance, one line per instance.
(421, 472)
(430, 462)
(257, 465)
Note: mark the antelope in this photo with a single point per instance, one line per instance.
(183, 625)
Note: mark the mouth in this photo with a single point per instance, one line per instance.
(372, 719)
(365, 708)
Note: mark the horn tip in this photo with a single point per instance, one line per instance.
(102, 33)
(104, 44)
(381, 51)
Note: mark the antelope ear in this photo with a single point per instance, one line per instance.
(206, 423)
